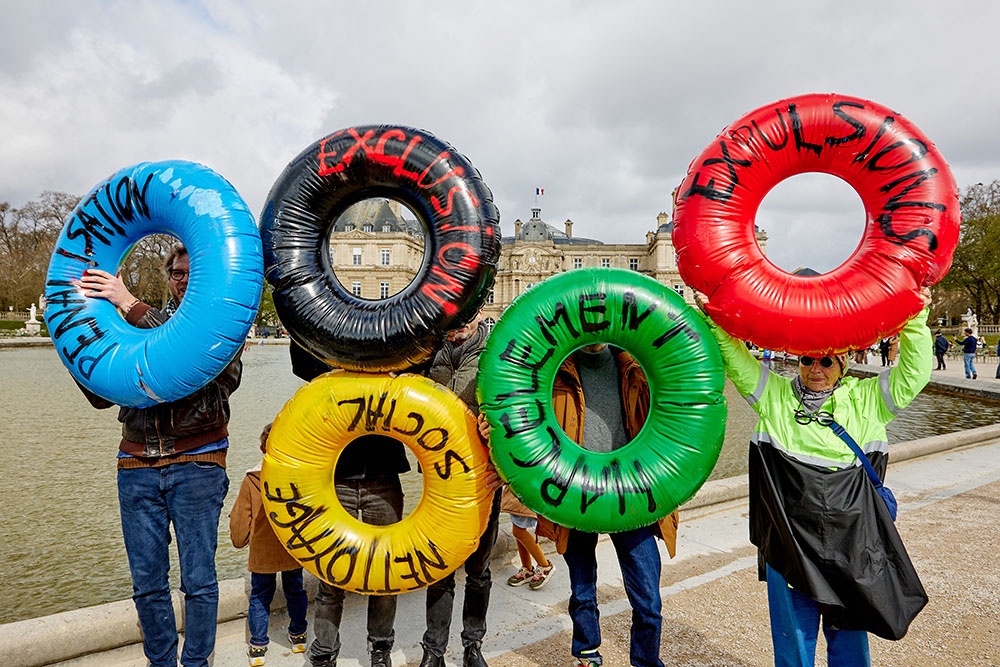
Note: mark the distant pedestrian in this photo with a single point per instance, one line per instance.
(941, 346)
(893, 349)
(248, 525)
(883, 348)
(970, 344)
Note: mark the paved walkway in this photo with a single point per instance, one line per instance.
(714, 609)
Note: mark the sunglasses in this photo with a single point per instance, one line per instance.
(825, 362)
(823, 418)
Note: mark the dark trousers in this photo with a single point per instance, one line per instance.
(378, 502)
(478, 581)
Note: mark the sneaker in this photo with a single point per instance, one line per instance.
(298, 642)
(585, 662)
(541, 576)
(521, 577)
(256, 655)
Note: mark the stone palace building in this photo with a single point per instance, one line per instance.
(376, 250)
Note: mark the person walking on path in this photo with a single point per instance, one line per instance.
(171, 472)
(456, 366)
(601, 399)
(941, 347)
(248, 525)
(970, 345)
(822, 539)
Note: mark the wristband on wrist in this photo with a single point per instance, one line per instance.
(130, 306)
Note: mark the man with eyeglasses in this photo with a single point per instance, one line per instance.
(808, 493)
(171, 470)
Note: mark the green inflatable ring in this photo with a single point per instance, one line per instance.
(673, 454)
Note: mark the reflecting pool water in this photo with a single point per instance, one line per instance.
(60, 539)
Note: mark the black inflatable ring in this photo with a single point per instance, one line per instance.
(462, 246)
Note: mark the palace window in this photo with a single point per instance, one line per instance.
(385, 257)
(383, 290)
(357, 257)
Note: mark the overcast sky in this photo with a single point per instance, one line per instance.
(603, 104)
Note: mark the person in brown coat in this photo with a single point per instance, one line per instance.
(248, 524)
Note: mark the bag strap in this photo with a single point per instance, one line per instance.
(845, 436)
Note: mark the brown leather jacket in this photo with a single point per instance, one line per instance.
(568, 406)
(166, 429)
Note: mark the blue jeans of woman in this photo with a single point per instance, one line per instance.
(378, 502)
(262, 589)
(478, 582)
(189, 496)
(639, 558)
(795, 621)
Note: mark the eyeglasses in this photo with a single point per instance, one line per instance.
(823, 418)
(177, 274)
(825, 362)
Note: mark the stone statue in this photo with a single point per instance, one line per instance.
(972, 322)
(32, 327)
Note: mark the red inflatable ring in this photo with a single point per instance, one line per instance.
(910, 199)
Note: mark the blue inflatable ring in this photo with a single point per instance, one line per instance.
(141, 367)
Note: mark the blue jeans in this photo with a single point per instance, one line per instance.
(795, 621)
(478, 582)
(378, 502)
(968, 358)
(189, 496)
(262, 588)
(639, 559)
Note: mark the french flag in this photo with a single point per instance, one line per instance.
(539, 191)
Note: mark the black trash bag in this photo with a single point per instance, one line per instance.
(830, 535)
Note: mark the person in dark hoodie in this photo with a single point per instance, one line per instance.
(368, 486)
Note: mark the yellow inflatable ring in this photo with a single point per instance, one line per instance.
(307, 438)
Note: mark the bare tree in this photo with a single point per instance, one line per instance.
(27, 237)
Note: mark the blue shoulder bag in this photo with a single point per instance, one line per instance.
(880, 488)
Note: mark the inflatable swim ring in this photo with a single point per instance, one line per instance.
(307, 438)
(141, 367)
(461, 251)
(910, 199)
(669, 458)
